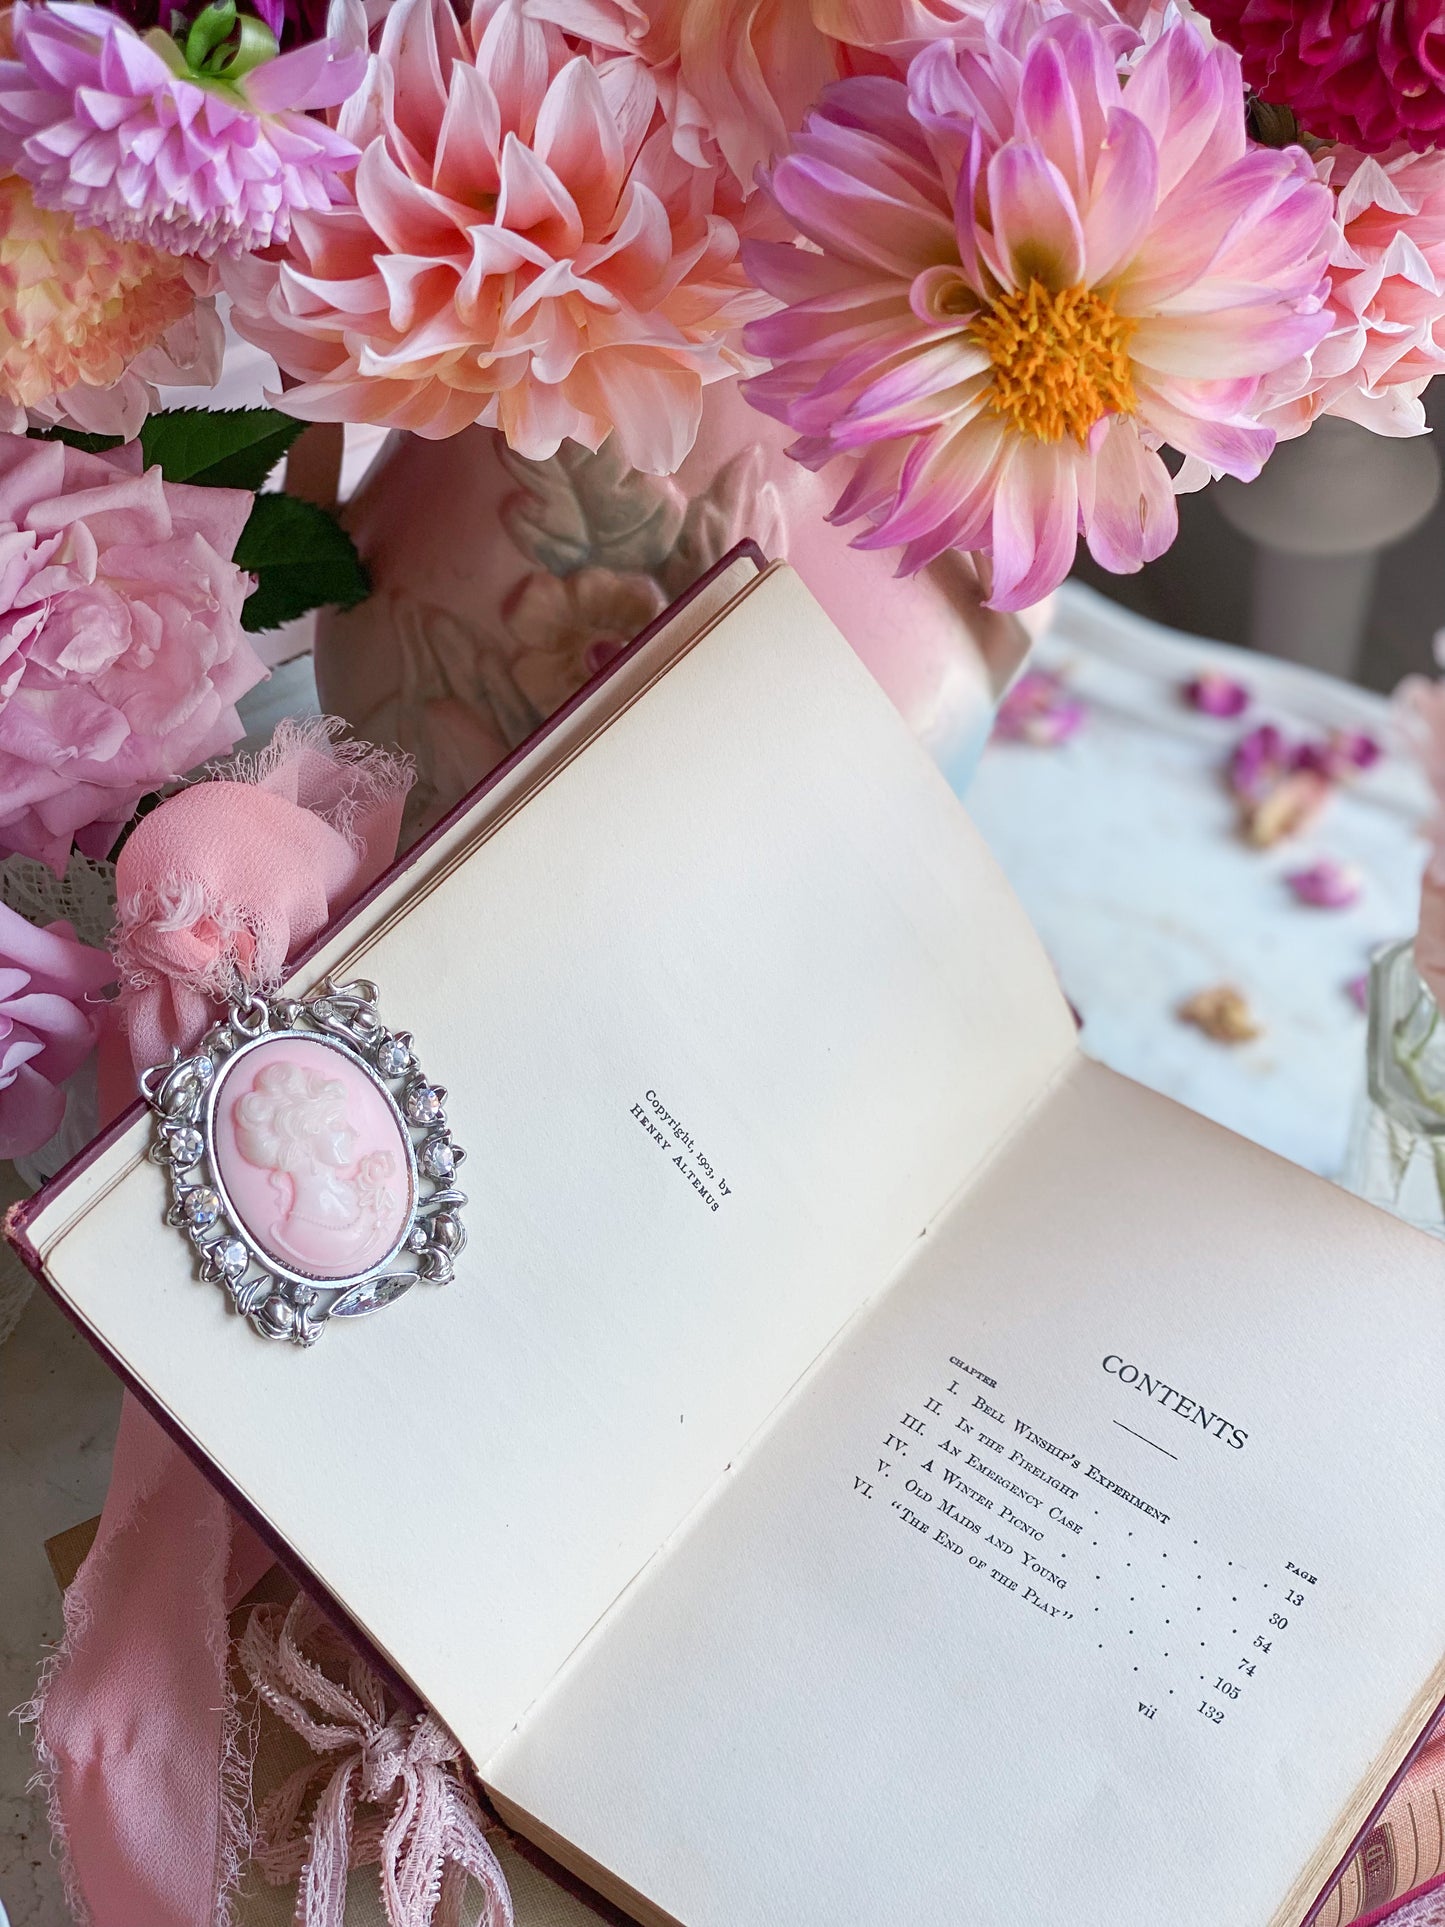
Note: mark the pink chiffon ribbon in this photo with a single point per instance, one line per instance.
(137, 1733)
(432, 1842)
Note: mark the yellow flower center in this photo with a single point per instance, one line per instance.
(1060, 360)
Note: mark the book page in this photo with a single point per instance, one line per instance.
(725, 1011)
(1097, 1574)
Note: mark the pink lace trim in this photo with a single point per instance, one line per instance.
(430, 1842)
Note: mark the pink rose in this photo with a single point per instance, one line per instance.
(121, 648)
(46, 1028)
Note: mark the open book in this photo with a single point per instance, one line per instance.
(873, 1464)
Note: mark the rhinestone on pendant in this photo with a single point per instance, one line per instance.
(192, 1142)
(186, 1147)
(231, 1256)
(200, 1208)
(423, 1104)
(438, 1159)
(393, 1059)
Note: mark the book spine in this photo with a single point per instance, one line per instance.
(1403, 1852)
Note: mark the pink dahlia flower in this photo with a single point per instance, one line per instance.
(743, 73)
(740, 72)
(525, 248)
(1025, 274)
(910, 24)
(89, 325)
(1386, 297)
(105, 129)
(121, 648)
(1371, 72)
(47, 1025)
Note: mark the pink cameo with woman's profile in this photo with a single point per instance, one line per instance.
(313, 1158)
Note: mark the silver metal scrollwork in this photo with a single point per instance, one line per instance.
(311, 1163)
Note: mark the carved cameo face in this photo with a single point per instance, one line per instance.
(313, 1158)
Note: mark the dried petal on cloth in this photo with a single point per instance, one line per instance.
(1222, 1013)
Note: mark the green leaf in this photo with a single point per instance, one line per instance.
(76, 438)
(218, 447)
(302, 559)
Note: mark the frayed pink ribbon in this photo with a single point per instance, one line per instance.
(434, 1839)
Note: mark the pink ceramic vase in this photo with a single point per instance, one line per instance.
(501, 584)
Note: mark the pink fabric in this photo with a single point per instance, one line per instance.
(433, 1839)
(218, 887)
(136, 1729)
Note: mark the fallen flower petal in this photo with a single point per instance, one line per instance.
(1222, 1013)
(1357, 989)
(1342, 755)
(1327, 885)
(1039, 710)
(1215, 694)
(1258, 762)
(1291, 805)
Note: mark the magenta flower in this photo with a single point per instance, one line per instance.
(1371, 72)
(121, 648)
(47, 1026)
(1326, 885)
(1215, 694)
(1027, 272)
(1039, 709)
(106, 129)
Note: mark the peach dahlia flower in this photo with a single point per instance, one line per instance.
(523, 247)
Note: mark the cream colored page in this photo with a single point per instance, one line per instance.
(723, 1012)
(914, 1663)
(344, 952)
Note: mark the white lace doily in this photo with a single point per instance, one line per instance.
(84, 896)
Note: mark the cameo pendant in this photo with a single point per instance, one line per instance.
(311, 1163)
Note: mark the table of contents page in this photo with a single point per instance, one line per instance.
(1096, 1573)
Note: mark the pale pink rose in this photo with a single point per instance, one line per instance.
(121, 648)
(48, 1026)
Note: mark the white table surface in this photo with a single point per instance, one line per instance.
(1124, 847)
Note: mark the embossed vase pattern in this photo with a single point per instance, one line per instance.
(501, 585)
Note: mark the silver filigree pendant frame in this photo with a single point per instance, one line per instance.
(279, 1299)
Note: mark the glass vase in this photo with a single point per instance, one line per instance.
(1397, 1150)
